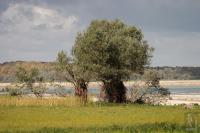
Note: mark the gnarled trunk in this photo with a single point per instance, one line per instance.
(81, 91)
(113, 91)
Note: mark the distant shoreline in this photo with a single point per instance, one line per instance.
(164, 83)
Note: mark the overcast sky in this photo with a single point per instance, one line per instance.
(37, 29)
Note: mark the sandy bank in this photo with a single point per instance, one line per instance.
(183, 99)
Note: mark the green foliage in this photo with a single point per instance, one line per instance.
(65, 67)
(70, 70)
(14, 91)
(112, 49)
(74, 73)
(28, 78)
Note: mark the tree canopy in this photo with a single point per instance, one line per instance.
(112, 49)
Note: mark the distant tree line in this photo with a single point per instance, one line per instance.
(8, 70)
(190, 73)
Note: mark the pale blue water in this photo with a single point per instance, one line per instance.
(185, 90)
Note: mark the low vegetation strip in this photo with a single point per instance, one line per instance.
(145, 128)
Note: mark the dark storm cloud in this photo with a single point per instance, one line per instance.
(149, 14)
(171, 26)
(4, 4)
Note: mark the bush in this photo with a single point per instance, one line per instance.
(153, 95)
(29, 78)
(14, 91)
(151, 92)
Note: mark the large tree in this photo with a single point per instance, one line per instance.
(112, 50)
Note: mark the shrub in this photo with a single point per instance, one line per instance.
(14, 91)
(151, 92)
(29, 78)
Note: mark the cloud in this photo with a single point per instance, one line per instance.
(26, 17)
(31, 32)
(150, 15)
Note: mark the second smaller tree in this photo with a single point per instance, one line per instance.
(72, 72)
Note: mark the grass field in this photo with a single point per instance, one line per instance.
(64, 115)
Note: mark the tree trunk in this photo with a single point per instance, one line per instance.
(113, 91)
(81, 91)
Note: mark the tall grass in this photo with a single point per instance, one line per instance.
(22, 114)
(34, 101)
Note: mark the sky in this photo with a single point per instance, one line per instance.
(36, 30)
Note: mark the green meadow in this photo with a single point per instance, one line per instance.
(19, 114)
